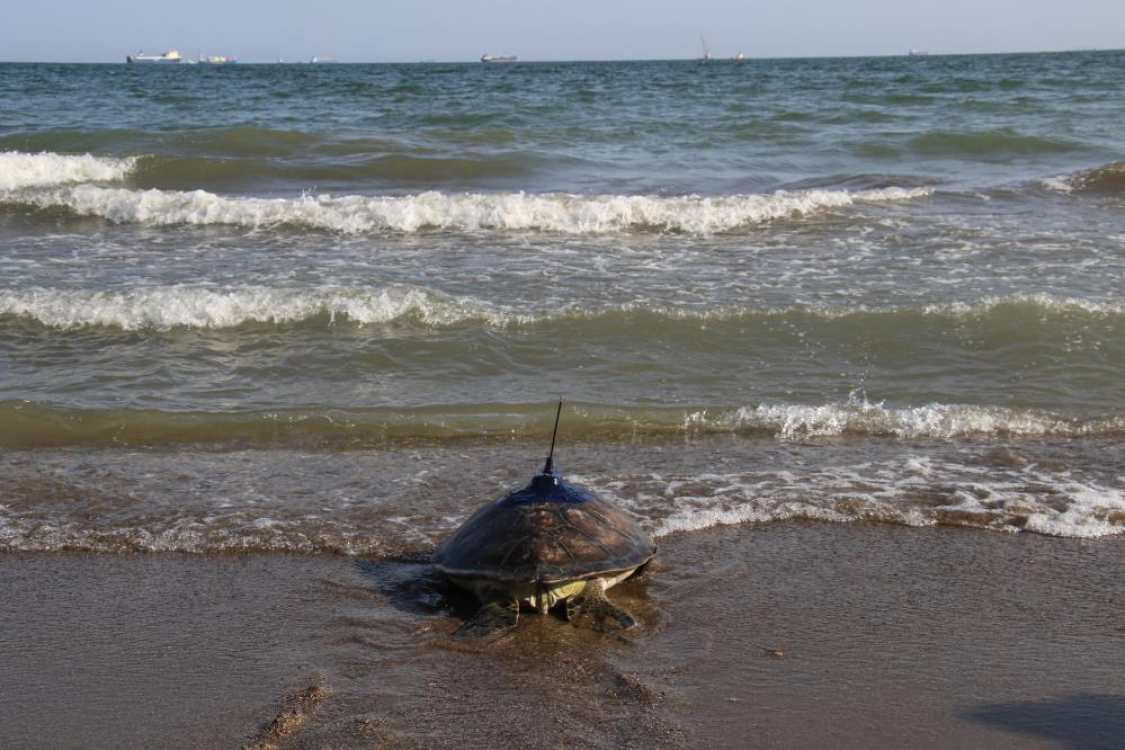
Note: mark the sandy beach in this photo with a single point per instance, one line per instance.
(788, 635)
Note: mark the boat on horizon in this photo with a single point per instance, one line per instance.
(491, 58)
(168, 57)
(323, 60)
(216, 60)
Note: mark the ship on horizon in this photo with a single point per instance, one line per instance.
(168, 57)
(216, 60)
(491, 58)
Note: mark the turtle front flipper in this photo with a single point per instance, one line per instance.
(497, 615)
(592, 610)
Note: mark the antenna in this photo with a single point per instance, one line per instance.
(550, 456)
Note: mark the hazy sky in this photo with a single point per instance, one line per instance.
(376, 31)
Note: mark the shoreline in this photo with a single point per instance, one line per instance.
(789, 634)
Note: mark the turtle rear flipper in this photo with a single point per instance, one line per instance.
(492, 619)
(592, 610)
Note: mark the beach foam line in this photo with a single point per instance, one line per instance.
(212, 307)
(22, 170)
(467, 212)
(1018, 501)
(179, 510)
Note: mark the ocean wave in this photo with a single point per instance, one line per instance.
(1108, 179)
(22, 170)
(998, 144)
(468, 212)
(211, 307)
(164, 308)
(399, 169)
(239, 141)
(860, 417)
(31, 425)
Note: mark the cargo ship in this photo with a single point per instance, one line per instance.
(169, 57)
(216, 60)
(497, 58)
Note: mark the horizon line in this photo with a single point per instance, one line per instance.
(476, 61)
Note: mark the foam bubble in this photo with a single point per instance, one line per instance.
(20, 170)
(551, 212)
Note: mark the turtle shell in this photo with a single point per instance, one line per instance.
(547, 532)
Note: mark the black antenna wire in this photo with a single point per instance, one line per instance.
(550, 456)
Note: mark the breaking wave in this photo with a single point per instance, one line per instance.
(1108, 179)
(468, 212)
(214, 307)
(859, 417)
(21, 170)
(163, 308)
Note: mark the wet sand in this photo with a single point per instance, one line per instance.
(788, 635)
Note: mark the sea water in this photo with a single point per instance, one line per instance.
(329, 308)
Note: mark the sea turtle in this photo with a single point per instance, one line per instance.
(543, 544)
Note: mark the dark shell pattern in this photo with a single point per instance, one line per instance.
(547, 532)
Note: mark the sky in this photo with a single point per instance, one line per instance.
(463, 30)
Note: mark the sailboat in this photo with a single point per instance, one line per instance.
(706, 52)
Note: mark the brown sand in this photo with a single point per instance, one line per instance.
(794, 635)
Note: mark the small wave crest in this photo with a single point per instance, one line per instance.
(164, 308)
(860, 417)
(467, 212)
(1108, 179)
(22, 170)
(999, 144)
(30, 425)
(211, 307)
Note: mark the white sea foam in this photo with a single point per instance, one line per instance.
(197, 306)
(1044, 303)
(1010, 499)
(166, 307)
(801, 421)
(1059, 183)
(470, 212)
(22, 170)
